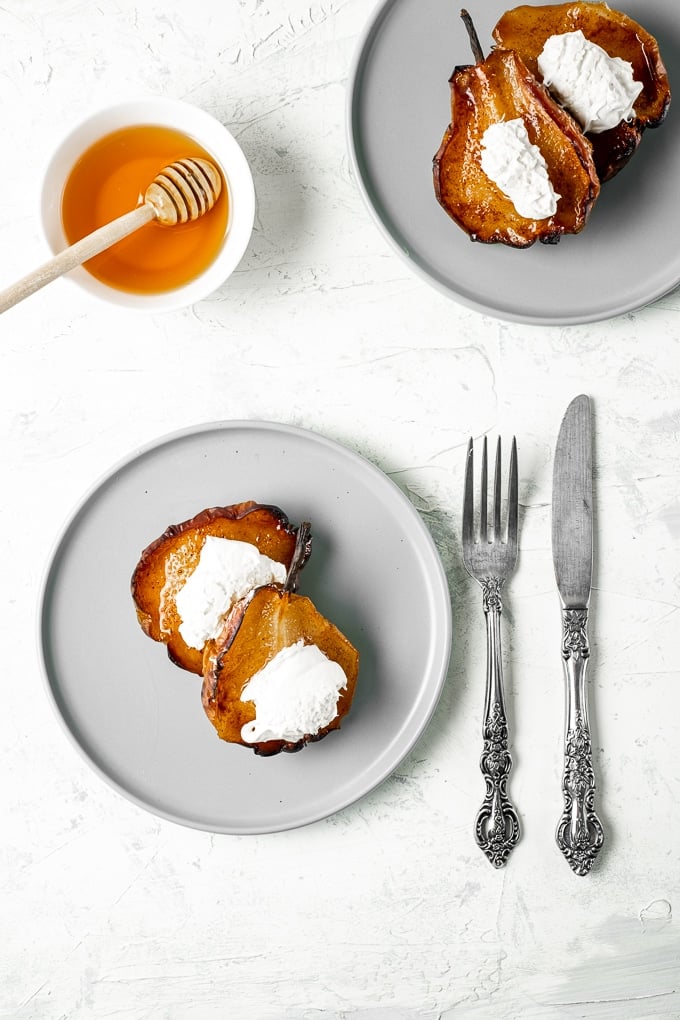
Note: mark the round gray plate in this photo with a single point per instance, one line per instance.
(138, 719)
(398, 110)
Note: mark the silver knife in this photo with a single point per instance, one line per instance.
(579, 832)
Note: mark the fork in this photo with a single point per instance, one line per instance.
(490, 561)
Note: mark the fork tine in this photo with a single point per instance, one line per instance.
(497, 494)
(468, 499)
(513, 499)
(483, 536)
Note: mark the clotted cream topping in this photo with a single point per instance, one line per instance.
(598, 90)
(295, 695)
(518, 168)
(227, 570)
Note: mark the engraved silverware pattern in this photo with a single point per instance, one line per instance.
(490, 561)
(579, 831)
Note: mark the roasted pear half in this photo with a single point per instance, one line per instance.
(167, 562)
(260, 627)
(525, 30)
(502, 88)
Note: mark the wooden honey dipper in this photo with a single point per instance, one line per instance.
(180, 193)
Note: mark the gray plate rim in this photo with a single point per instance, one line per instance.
(411, 253)
(416, 722)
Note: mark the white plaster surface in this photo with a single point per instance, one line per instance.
(386, 911)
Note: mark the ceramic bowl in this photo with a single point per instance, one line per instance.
(214, 138)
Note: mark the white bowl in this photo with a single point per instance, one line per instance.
(214, 138)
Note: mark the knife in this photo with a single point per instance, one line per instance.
(579, 832)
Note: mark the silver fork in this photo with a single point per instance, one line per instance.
(490, 561)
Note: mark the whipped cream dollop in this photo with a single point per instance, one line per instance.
(598, 90)
(227, 570)
(295, 694)
(518, 168)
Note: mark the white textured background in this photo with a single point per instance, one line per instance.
(386, 911)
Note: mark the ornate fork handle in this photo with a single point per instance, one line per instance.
(579, 832)
(497, 828)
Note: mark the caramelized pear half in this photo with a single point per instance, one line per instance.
(167, 562)
(495, 89)
(525, 30)
(260, 626)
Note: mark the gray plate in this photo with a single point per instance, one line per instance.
(138, 719)
(398, 110)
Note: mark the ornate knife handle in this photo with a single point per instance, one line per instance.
(497, 827)
(579, 833)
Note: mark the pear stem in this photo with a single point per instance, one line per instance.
(477, 51)
(303, 550)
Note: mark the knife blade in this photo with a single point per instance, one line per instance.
(579, 831)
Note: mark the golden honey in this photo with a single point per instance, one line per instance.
(110, 179)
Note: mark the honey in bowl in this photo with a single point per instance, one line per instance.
(108, 180)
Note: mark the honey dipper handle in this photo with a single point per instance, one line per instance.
(89, 246)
